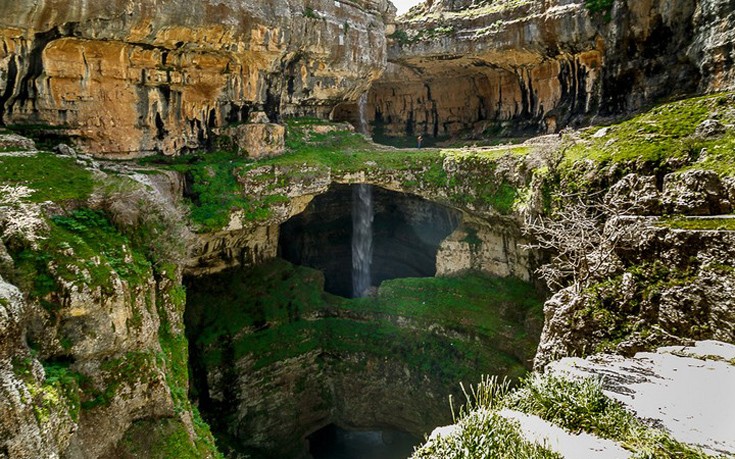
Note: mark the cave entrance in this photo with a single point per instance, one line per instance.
(406, 234)
(333, 442)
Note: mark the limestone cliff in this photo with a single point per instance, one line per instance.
(503, 67)
(123, 78)
(92, 344)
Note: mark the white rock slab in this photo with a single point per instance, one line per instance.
(703, 349)
(692, 398)
(571, 446)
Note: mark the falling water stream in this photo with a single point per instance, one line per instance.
(362, 111)
(362, 239)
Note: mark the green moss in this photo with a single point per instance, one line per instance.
(57, 393)
(278, 311)
(597, 6)
(174, 359)
(663, 133)
(128, 370)
(82, 248)
(708, 224)
(54, 178)
(158, 439)
(62, 379)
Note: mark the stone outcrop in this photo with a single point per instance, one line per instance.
(258, 138)
(695, 192)
(86, 338)
(680, 388)
(491, 68)
(677, 395)
(271, 369)
(126, 78)
(489, 239)
(676, 286)
(35, 418)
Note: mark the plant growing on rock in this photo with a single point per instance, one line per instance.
(153, 224)
(582, 238)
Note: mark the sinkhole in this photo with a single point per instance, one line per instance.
(406, 234)
(287, 359)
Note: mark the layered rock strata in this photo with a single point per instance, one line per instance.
(505, 67)
(127, 78)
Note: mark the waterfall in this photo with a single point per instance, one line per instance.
(362, 111)
(362, 239)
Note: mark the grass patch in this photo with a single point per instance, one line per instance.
(700, 224)
(484, 434)
(663, 133)
(278, 311)
(54, 178)
(82, 248)
(575, 405)
(581, 405)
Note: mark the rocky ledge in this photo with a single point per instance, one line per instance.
(502, 67)
(680, 393)
(123, 79)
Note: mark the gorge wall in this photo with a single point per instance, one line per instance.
(509, 67)
(126, 78)
(275, 359)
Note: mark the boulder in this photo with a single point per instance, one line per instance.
(696, 192)
(257, 140)
(636, 194)
(709, 128)
(15, 142)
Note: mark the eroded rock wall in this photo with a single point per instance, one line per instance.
(125, 78)
(509, 67)
(272, 368)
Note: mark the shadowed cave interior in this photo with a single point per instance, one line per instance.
(407, 232)
(286, 364)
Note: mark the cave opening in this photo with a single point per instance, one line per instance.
(280, 349)
(407, 232)
(334, 442)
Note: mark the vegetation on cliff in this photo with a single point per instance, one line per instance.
(78, 253)
(276, 316)
(576, 405)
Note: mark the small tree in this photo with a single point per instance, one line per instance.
(582, 239)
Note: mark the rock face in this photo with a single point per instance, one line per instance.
(35, 419)
(272, 368)
(125, 78)
(677, 286)
(696, 192)
(682, 389)
(91, 339)
(484, 240)
(502, 67)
